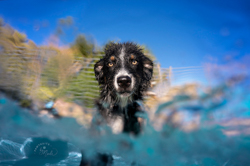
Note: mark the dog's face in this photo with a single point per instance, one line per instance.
(123, 69)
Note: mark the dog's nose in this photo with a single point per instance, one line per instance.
(124, 81)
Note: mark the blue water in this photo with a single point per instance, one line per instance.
(28, 139)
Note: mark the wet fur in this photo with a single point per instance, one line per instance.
(110, 104)
(120, 113)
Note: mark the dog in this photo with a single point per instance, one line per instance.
(124, 75)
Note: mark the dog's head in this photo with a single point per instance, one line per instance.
(124, 69)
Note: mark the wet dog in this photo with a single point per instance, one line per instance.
(124, 75)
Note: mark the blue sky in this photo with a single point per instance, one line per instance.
(179, 33)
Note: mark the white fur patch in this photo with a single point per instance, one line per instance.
(117, 125)
(121, 56)
(124, 100)
(123, 71)
(148, 66)
(99, 68)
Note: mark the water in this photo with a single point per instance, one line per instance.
(220, 136)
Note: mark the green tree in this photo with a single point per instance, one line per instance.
(83, 47)
(83, 85)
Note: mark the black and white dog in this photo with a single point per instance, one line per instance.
(124, 75)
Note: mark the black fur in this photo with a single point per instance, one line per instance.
(109, 104)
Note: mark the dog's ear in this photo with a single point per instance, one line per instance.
(99, 71)
(147, 68)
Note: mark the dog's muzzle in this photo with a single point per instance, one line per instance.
(124, 81)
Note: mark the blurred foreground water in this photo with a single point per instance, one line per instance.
(220, 137)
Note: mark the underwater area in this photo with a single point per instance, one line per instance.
(221, 136)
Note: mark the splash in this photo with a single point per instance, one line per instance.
(213, 130)
(207, 144)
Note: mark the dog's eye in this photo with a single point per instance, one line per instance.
(134, 62)
(110, 64)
